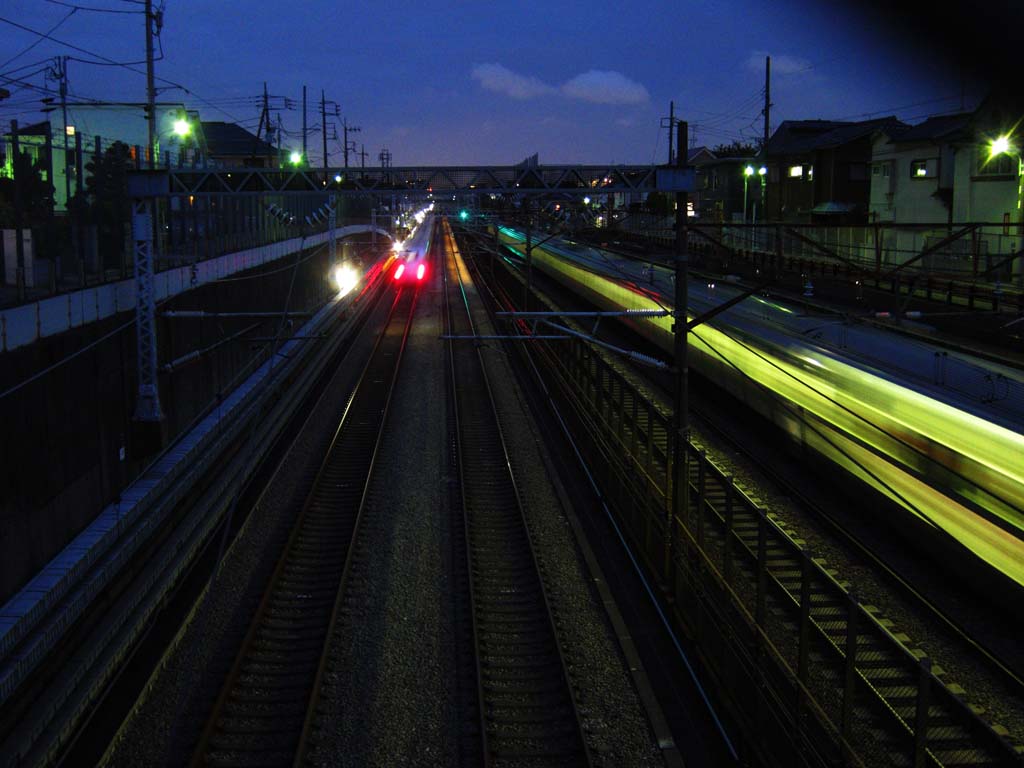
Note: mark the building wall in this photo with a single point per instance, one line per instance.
(109, 124)
(789, 195)
(897, 193)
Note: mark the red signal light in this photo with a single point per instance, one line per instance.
(400, 271)
(420, 270)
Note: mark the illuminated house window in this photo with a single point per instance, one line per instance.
(70, 130)
(796, 171)
(923, 169)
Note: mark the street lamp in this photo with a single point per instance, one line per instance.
(295, 157)
(182, 128)
(999, 146)
(747, 173)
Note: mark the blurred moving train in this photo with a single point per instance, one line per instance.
(410, 258)
(937, 432)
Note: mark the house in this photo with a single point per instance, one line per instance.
(90, 128)
(728, 192)
(912, 170)
(32, 141)
(231, 146)
(818, 170)
(951, 171)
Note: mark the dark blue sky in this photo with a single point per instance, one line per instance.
(463, 82)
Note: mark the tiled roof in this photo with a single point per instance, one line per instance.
(797, 136)
(228, 139)
(934, 129)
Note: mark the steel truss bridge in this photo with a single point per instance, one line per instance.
(421, 181)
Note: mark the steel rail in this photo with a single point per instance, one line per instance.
(314, 525)
(529, 640)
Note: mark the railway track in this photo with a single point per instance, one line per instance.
(266, 706)
(528, 714)
(844, 674)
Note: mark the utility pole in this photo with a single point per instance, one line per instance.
(680, 415)
(19, 242)
(150, 87)
(323, 126)
(62, 71)
(671, 128)
(280, 131)
(345, 130)
(264, 114)
(670, 123)
(529, 258)
(767, 96)
(362, 156)
(304, 155)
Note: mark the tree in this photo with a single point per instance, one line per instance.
(36, 194)
(659, 203)
(739, 149)
(107, 193)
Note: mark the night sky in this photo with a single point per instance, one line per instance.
(482, 82)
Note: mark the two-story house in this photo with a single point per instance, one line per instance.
(960, 173)
(819, 170)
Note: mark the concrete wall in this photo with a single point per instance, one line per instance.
(28, 323)
(66, 447)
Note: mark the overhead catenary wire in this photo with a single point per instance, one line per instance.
(110, 61)
(42, 36)
(78, 7)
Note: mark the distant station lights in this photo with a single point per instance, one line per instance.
(182, 128)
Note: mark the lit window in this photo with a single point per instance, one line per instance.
(810, 172)
(923, 169)
(796, 171)
(70, 130)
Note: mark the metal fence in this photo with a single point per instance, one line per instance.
(984, 251)
(808, 675)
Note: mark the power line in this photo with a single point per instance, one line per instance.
(48, 36)
(905, 106)
(87, 8)
(41, 36)
(46, 61)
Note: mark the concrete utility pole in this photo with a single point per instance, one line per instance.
(304, 155)
(19, 242)
(62, 72)
(671, 128)
(767, 96)
(680, 412)
(323, 124)
(150, 87)
(362, 156)
(346, 128)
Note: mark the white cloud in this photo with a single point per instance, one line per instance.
(596, 86)
(605, 87)
(781, 65)
(495, 77)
